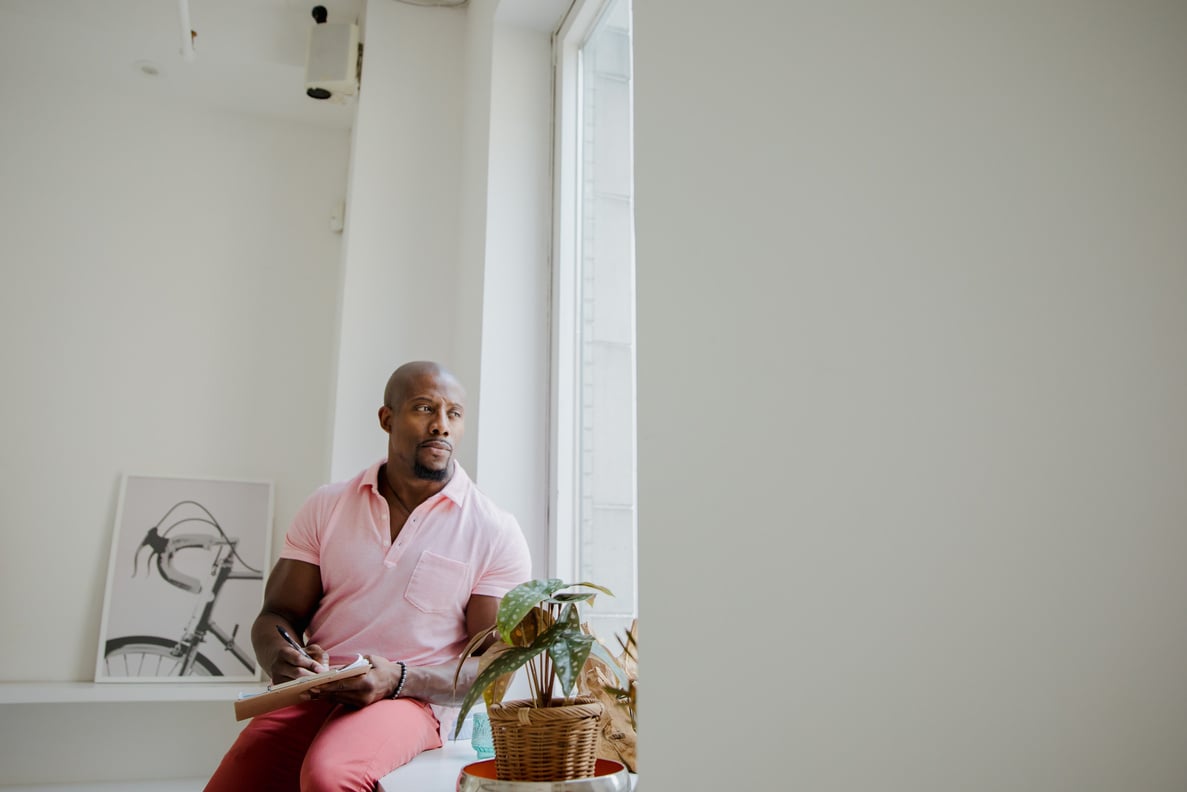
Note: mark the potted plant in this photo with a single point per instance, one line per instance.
(553, 735)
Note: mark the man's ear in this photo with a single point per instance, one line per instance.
(385, 419)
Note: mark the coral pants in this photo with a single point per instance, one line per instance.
(317, 746)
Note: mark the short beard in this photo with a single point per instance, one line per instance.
(428, 474)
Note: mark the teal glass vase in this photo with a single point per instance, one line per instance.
(480, 738)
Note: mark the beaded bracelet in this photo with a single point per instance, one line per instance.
(403, 676)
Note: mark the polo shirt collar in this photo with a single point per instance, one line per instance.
(458, 486)
(455, 490)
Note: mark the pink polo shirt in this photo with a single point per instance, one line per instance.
(404, 600)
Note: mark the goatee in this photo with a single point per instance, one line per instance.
(428, 474)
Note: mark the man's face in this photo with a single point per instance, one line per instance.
(424, 425)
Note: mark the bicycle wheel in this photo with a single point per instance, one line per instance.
(151, 656)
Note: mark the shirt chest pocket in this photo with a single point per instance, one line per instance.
(437, 583)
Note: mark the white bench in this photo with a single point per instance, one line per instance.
(432, 771)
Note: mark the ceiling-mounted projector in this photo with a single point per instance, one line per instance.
(332, 64)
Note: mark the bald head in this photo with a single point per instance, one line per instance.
(399, 382)
(424, 416)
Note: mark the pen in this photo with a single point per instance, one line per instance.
(289, 639)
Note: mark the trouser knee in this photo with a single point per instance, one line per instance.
(331, 777)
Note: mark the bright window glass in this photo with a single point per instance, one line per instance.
(596, 520)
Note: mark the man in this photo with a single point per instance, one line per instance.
(403, 564)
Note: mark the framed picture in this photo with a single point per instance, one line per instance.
(185, 580)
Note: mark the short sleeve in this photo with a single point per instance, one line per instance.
(510, 562)
(302, 541)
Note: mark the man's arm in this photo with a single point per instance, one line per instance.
(291, 596)
(433, 684)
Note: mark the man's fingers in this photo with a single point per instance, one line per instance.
(322, 665)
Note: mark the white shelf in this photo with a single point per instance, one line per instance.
(168, 785)
(121, 692)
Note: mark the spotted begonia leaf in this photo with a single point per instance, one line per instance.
(511, 660)
(519, 601)
(530, 627)
(568, 650)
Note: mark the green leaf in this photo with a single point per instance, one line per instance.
(602, 589)
(568, 650)
(511, 660)
(572, 596)
(494, 692)
(519, 601)
(531, 626)
(569, 618)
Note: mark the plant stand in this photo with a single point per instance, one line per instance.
(609, 776)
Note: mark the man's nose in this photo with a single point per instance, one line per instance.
(440, 423)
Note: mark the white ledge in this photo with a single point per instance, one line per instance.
(121, 692)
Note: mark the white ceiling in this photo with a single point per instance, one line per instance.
(249, 54)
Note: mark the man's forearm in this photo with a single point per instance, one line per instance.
(434, 684)
(266, 641)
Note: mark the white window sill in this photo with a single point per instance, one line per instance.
(120, 692)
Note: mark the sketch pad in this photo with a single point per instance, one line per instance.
(248, 705)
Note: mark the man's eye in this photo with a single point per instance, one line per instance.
(455, 414)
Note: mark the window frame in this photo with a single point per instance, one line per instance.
(568, 40)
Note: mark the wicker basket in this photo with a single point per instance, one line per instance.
(553, 743)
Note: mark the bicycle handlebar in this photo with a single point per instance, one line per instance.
(165, 548)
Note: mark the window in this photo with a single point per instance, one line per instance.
(594, 498)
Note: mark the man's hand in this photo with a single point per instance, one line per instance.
(290, 663)
(291, 596)
(375, 685)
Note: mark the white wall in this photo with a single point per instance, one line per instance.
(401, 254)
(447, 240)
(177, 303)
(513, 449)
(912, 394)
(168, 306)
(910, 279)
(474, 162)
(168, 301)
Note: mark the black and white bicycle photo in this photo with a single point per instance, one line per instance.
(185, 580)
